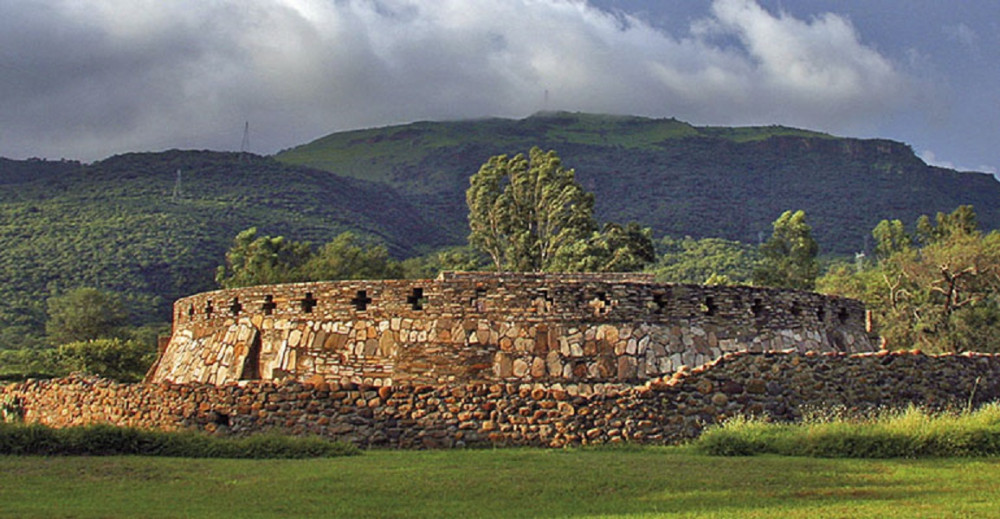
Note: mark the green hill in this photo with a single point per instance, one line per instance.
(116, 225)
(677, 178)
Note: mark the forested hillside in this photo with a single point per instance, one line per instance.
(125, 225)
(676, 178)
(117, 225)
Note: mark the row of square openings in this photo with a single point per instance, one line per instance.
(601, 304)
(360, 302)
(709, 307)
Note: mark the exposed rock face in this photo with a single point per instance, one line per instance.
(486, 328)
(782, 386)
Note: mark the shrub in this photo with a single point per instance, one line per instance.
(739, 436)
(121, 360)
(907, 433)
(11, 409)
(107, 440)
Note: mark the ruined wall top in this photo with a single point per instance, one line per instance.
(528, 297)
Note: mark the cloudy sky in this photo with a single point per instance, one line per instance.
(85, 79)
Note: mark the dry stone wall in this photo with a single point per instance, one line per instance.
(664, 410)
(464, 328)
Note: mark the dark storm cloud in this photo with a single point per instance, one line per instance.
(88, 78)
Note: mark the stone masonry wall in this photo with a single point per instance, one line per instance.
(661, 411)
(467, 328)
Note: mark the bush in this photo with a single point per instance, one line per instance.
(107, 440)
(11, 409)
(740, 436)
(121, 360)
(27, 439)
(909, 433)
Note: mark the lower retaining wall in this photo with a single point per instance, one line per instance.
(668, 410)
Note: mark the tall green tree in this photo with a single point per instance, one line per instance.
(84, 314)
(789, 256)
(524, 210)
(961, 221)
(890, 237)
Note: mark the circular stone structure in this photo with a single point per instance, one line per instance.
(479, 327)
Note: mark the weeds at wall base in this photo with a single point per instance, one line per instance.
(107, 440)
(11, 409)
(908, 433)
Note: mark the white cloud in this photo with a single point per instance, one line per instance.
(122, 75)
(963, 34)
(931, 159)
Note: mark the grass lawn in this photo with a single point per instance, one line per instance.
(639, 482)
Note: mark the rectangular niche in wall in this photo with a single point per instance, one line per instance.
(269, 305)
(601, 304)
(361, 301)
(708, 307)
(308, 303)
(416, 299)
(661, 301)
(478, 302)
(235, 307)
(542, 303)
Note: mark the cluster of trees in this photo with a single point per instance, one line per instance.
(528, 213)
(714, 261)
(937, 289)
(87, 331)
(262, 260)
(525, 214)
(788, 259)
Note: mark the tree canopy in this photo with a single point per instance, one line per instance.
(530, 214)
(616, 248)
(84, 314)
(789, 256)
(122, 360)
(709, 260)
(345, 257)
(263, 260)
(940, 292)
(524, 210)
(460, 258)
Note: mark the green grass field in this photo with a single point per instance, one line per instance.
(629, 482)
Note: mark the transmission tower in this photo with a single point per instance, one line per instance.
(245, 145)
(178, 192)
